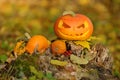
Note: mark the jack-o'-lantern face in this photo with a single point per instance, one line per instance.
(78, 27)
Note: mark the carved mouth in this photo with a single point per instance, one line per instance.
(73, 35)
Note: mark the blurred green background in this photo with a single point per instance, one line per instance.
(38, 17)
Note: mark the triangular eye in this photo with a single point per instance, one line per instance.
(83, 26)
(66, 26)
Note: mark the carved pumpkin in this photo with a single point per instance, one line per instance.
(77, 27)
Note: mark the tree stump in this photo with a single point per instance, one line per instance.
(77, 63)
(98, 67)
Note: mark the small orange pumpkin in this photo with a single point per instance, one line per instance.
(77, 27)
(58, 47)
(37, 42)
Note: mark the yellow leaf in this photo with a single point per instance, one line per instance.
(59, 63)
(78, 60)
(85, 44)
(93, 38)
(19, 48)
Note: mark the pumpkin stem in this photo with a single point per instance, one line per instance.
(27, 35)
(69, 12)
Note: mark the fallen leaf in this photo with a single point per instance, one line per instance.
(38, 74)
(93, 38)
(59, 63)
(19, 48)
(90, 56)
(78, 60)
(85, 44)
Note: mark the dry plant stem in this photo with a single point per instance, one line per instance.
(69, 12)
(27, 35)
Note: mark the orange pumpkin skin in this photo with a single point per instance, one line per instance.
(78, 27)
(58, 47)
(37, 42)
